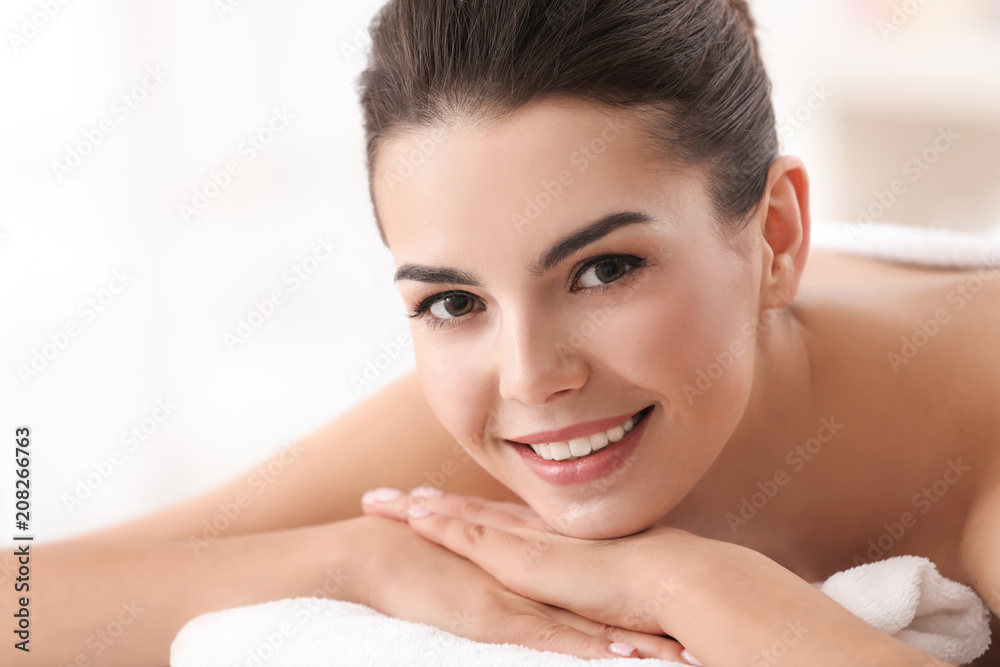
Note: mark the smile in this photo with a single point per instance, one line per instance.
(601, 454)
(576, 448)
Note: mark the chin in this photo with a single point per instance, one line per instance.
(605, 523)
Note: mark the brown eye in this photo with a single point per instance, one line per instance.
(603, 271)
(452, 306)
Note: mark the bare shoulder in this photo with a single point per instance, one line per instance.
(972, 343)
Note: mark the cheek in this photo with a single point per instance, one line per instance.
(455, 393)
(674, 338)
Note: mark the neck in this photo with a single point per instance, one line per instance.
(749, 495)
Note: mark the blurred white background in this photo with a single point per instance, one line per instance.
(117, 301)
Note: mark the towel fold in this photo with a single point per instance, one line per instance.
(904, 596)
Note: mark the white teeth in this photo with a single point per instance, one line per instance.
(580, 446)
(598, 441)
(561, 451)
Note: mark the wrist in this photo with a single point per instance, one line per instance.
(326, 560)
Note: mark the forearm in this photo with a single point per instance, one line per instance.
(122, 604)
(725, 620)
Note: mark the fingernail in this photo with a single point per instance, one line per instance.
(690, 659)
(622, 649)
(381, 495)
(427, 492)
(419, 512)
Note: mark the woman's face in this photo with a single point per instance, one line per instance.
(565, 283)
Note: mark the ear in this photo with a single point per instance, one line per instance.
(784, 226)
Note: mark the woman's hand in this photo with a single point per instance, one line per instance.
(408, 577)
(610, 581)
(730, 604)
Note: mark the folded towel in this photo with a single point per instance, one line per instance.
(315, 632)
(903, 596)
(943, 248)
(906, 597)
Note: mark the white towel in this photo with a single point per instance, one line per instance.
(905, 243)
(903, 596)
(906, 597)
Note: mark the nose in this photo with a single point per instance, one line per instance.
(537, 362)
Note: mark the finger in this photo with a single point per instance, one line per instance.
(547, 635)
(386, 502)
(650, 646)
(508, 516)
(507, 555)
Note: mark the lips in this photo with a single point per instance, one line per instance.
(583, 445)
(595, 465)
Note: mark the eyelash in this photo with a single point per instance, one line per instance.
(633, 262)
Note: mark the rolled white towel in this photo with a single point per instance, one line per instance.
(904, 596)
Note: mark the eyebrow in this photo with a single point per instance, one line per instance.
(584, 237)
(562, 249)
(435, 274)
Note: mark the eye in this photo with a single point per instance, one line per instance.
(446, 308)
(604, 270)
(452, 305)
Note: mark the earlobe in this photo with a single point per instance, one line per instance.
(785, 231)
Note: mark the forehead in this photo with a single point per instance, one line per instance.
(521, 178)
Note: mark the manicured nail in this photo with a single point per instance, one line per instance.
(381, 495)
(622, 649)
(427, 492)
(690, 659)
(419, 512)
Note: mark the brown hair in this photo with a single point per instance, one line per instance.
(692, 67)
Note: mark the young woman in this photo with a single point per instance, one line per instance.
(614, 318)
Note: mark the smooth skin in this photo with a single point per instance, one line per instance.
(911, 433)
(305, 530)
